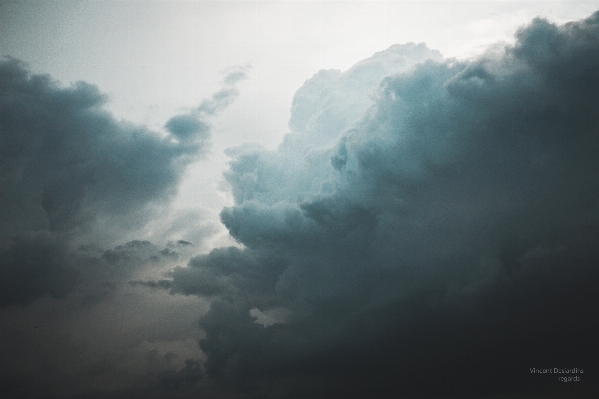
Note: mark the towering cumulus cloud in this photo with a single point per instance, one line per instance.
(429, 228)
(68, 168)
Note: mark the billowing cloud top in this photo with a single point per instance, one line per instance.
(429, 227)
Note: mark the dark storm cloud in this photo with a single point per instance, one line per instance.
(246, 273)
(66, 161)
(39, 263)
(441, 243)
(164, 284)
(97, 330)
(68, 168)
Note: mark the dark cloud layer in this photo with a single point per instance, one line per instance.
(73, 179)
(67, 162)
(39, 263)
(97, 332)
(440, 243)
(68, 170)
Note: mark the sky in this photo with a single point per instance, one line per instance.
(299, 199)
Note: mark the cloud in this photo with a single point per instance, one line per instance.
(164, 284)
(185, 126)
(190, 125)
(331, 101)
(39, 263)
(67, 162)
(71, 174)
(98, 336)
(429, 228)
(74, 180)
(188, 376)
